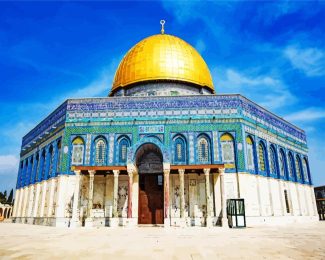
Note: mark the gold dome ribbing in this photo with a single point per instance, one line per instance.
(162, 57)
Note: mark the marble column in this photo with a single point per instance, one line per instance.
(182, 196)
(224, 220)
(89, 219)
(130, 184)
(108, 212)
(208, 197)
(75, 221)
(166, 197)
(115, 220)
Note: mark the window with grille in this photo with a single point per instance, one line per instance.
(261, 157)
(298, 169)
(100, 152)
(179, 150)
(273, 160)
(292, 166)
(227, 148)
(282, 164)
(250, 154)
(305, 167)
(77, 151)
(287, 201)
(123, 150)
(203, 150)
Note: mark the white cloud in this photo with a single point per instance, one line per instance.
(309, 114)
(309, 60)
(8, 164)
(266, 90)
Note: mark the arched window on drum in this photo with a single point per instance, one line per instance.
(100, 151)
(250, 153)
(179, 150)
(273, 164)
(203, 149)
(77, 151)
(261, 157)
(298, 168)
(305, 168)
(282, 163)
(227, 150)
(123, 145)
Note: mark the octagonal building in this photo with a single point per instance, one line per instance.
(164, 148)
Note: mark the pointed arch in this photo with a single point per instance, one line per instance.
(291, 166)
(273, 160)
(228, 150)
(78, 146)
(250, 153)
(203, 149)
(306, 170)
(282, 164)
(100, 151)
(123, 144)
(180, 149)
(262, 157)
(298, 169)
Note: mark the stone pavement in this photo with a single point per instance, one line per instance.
(38, 242)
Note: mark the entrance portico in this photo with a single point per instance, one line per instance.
(183, 195)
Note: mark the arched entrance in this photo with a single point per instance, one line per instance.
(149, 160)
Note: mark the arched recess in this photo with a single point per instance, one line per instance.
(1, 212)
(149, 161)
(299, 176)
(51, 158)
(100, 151)
(78, 146)
(291, 166)
(262, 155)
(306, 170)
(5, 213)
(282, 163)
(250, 153)
(273, 161)
(124, 143)
(9, 212)
(42, 166)
(228, 150)
(203, 149)
(179, 149)
(131, 152)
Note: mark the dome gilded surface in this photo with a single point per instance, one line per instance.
(162, 57)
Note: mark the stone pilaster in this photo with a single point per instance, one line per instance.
(182, 196)
(130, 184)
(44, 187)
(36, 201)
(51, 199)
(166, 197)
(224, 220)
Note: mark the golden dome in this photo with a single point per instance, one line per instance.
(162, 57)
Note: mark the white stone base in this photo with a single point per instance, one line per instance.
(75, 223)
(279, 220)
(114, 222)
(62, 222)
(89, 222)
(167, 222)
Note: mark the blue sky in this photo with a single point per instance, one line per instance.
(270, 52)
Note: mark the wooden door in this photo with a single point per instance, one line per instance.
(151, 199)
